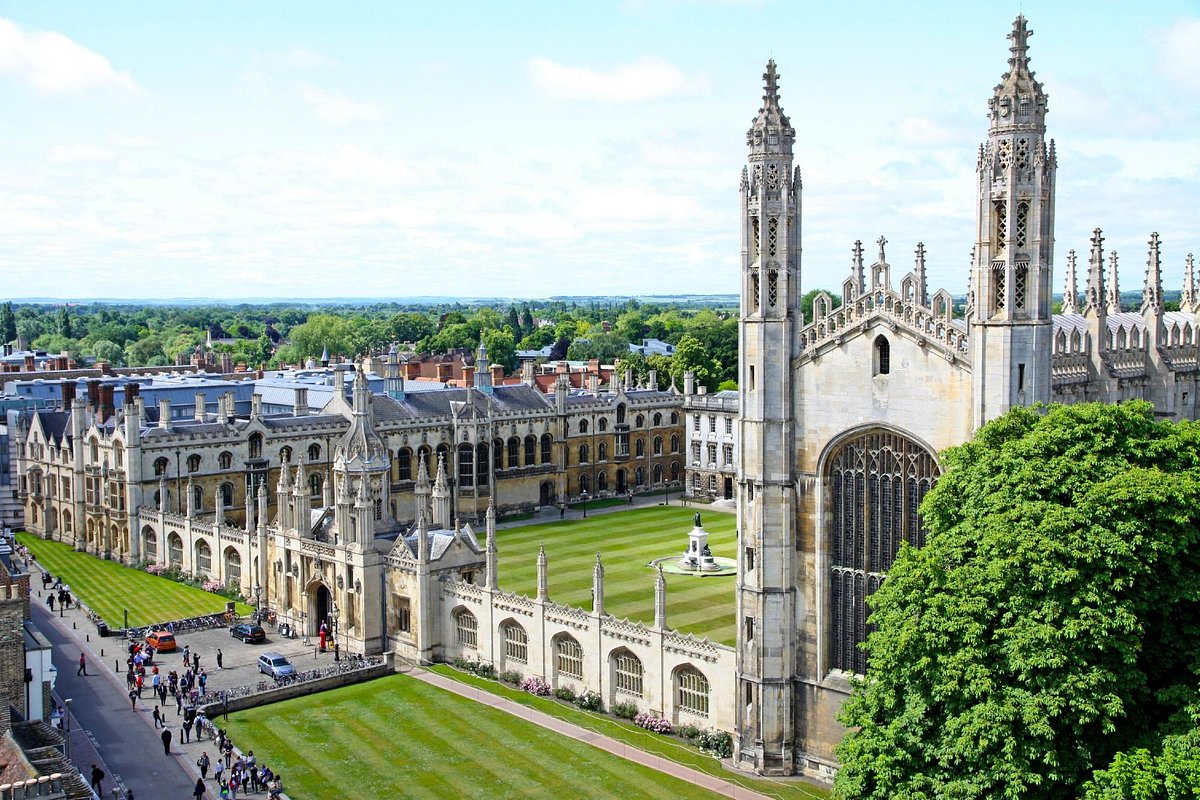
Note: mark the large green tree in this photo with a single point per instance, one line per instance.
(1049, 624)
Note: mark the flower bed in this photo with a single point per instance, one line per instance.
(652, 723)
(535, 685)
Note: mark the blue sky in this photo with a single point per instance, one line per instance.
(533, 149)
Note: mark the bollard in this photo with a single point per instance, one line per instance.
(117, 665)
(102, 652)
(72, 626)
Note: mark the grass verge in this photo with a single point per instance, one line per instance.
(668, 747)
(110, 588)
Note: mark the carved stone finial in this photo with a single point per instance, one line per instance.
(1113, 295)
(882, 242)
(1070, 303)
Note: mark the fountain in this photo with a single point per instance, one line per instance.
(697, 557)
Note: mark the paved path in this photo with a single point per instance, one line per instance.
(628, 752)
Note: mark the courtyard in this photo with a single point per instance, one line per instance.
(110, 588)
(627, 542)
(399, 737)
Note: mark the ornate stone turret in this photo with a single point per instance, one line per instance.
(1112, 297)
(301, 502)
(483, 372)
(218, 507)
(1094, 295)
(598, 587)
(493, 577)
(1152, 302)
(283, 496)
(421, 489)
(360, 458)
(422, 541)
(1070, 303)
(769, 317)
(162, 489)
(441, 497)
(1011, 324)
(921, 284)
(1187, 297)
(191, 496)
(543, 587)
(858, 276)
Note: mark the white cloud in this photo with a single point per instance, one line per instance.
(340, 110)
(50, 62)
(647, 78)
(79, 153)
(1179, 53)
(138, 140)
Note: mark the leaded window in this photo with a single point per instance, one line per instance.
(876, 481)
(1021, 233)
(467, 629)
(628, 671)
(1020, 284)
(693, 691)
(568, 658)
(772, 236)
(516, 643)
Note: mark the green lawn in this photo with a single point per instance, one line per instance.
(399, 737)
(110, 588)
(669, 747)
(627, 541)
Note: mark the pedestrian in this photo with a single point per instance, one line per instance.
(187, 729)
(631, 498)
(252, 766)
(187, 654)
(198, 792)
(201, 724)
(140, 682)
(50, 601)
(97, 777)
(219, 773)
(166, 740)
(202, 763)
(133, 699)
(203, 681)
(158, 722)
(178, 703)
(219, 656)
(562, 510)
(195, 662)
(82, 666)
(227, 748)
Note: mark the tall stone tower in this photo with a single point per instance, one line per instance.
(1011, 326)
(766, 487)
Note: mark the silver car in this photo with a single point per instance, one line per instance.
(275, 665)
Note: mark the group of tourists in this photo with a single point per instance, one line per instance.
(236, 774)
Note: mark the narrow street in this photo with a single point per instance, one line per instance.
(103, 722)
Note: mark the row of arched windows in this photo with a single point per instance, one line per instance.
(628, 673)
(639, 420)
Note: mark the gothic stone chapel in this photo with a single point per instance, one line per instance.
(842, 419)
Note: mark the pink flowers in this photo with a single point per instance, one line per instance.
(652, 723)
(535, 685)
(155, 569)
(213, 586)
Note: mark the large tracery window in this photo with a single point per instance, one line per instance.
(877, 480)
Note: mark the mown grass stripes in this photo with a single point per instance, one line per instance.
(399, 737)
(110, 588)
(627, 542)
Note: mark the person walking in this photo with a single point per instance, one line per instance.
(219, 773)
(166, 740)
(187, 654)
(82, 665)
(252, 766)
(50, 602)
(198, 792)
(133, 699)
(219, 657)
(195, 662)
(158, 722)
(203, 763)
(97, 777)
(187, 728)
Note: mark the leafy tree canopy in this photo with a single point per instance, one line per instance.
(1050, 623)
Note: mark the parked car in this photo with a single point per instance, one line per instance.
(161, 641)
(275, 665)
(248, 632)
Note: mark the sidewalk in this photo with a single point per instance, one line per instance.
(628, 752)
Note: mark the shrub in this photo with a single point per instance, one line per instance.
(565, 693)
(652, 723)
(719, 743)
(689, 733)
(535, 685)
(462, 663)
(590, 701)
(510, 676)
(213, 586)
(484, 670)
(625, 710)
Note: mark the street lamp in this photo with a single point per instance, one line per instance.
(584, 496)
(336, 620)
(67, 734)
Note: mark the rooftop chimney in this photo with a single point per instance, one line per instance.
(132, 392)
(93, 394)
(468, 376)
(300, 406)
(201, 405)
(68, 394)
(107, 406)
(497, 374)
(164, 414)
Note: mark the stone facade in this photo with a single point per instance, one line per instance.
(842, 418)
(712, 448)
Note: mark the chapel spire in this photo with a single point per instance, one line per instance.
(1018, 101)
(1093, 295)
(771, 133)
